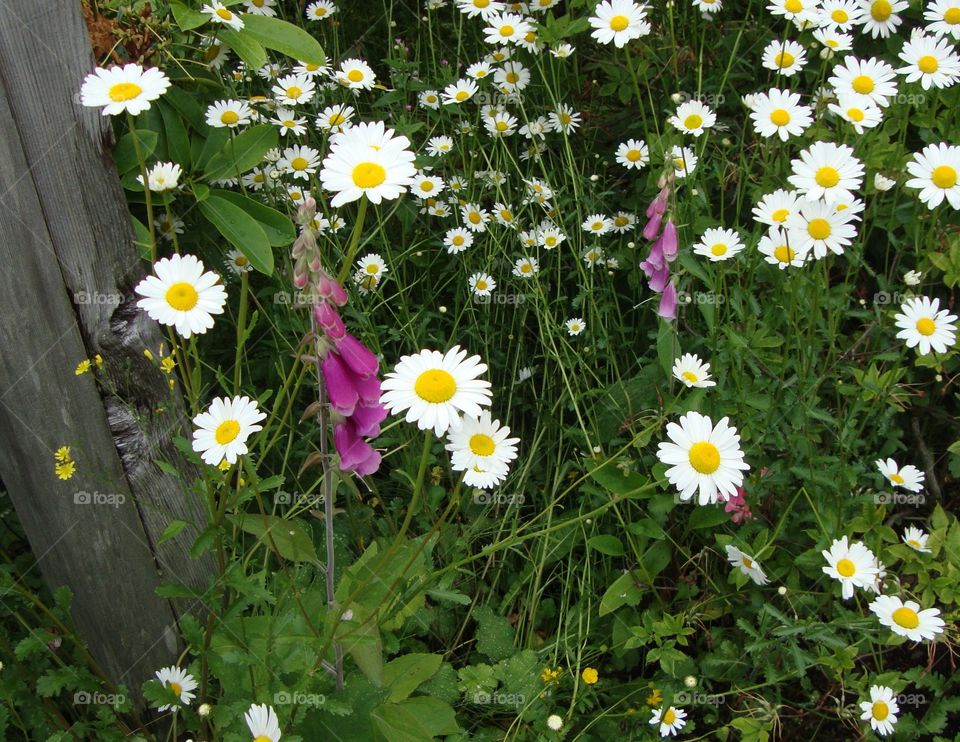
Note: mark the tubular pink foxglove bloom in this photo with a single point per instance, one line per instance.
(652, 228)
(328, 318)
(659, 203)
(356, 355)
(340, 384)
(654, 261)
(660, 278)
(367, 417)
(355, 453)
(668, 303)
(668, 241)
(330, 290)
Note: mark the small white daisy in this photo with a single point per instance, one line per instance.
(222, 430)
(692, 371)
(925, 326)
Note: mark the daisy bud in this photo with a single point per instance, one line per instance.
(338, 380)
(329, 320)
(882, 183)
(782, 590)
(668, 303)
(652, 228)
(357, 356)
(330, 290)
(690, 681)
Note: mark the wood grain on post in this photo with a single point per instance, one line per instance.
(68, 267)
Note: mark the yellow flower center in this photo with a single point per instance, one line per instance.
(746, 562)
(530, 37)
(506, 30)
(462, 95)
(229, 117)
(501, 126)
(944, 177)
(896, 478)
(526, 268)
(818, 228)
(952, 16)
(512, 77)
(620, 221)
(294, 92)
(355, 75)
(435, 386)
(182, 296)
(780, 117)
(690, 376)
(458, 240)
(481, 3)
(564, 118)
(880, 710)
(224, 13)
(506, 215)
(482, 445)
(784, 59)
(678, 164)
(373, 269)
(928, 63)
(840, 16)
(619, 22)
(318, 13)
(227, 431)
(240, 261)
(855, 114)
(124, 91)
(704, 457)
(482, 285)
(926, 326)
(784, 254)
(881, 10)
(633, 155)
(670, 716)
(719, 249)
(793, 6)
(299, 163)
(832, 43)
(862, 84)
(827, 177)
(780, 215)
(693, 121)
(846, 568)
(369, 175)
(289, 123)
(906, 617)
(426, 186)
(263, 738)
(474, 217)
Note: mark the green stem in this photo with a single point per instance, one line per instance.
(421, 474)
(241, 329)
(146, 187)
(354, 242)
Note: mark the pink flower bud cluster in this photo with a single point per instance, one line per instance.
(662, 253)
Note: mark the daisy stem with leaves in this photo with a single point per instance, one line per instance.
(354, 242)
(146, 186)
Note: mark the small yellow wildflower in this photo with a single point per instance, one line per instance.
(82, 367)
(550, 676)
(65, 470)
(62, 454)
(590, 676)
(148, 354)
(98, 360)
(655, 698)
(168, 364)
(223, 465)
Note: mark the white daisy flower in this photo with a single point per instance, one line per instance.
(908, 477)
(311, 70)
(426, 186)
(482, 284)
(633, 153)
(693, 117)
(881, 710)
(262, 720)
(840, 15)
(776, 249)
(597, 224)
(925, 326)
(703, 458)
(506, 28)
(501, 124)
(261, 7)
(299, 161)
(367, 160)
(862, 115)
(623, 221)
(684, 161)
(932, 61)
(168, 225)
(692, 371)
(372, 265)
(564, 120)
(882, 183)
(219, 14)
(879, 17)
(457, 240)
(335, 119)
(549, 237)
(575, 325)
(936, 173)
(459, 92)
(787, 57)
(222, 430)
(181, 294)
(128, 89)
(670, 720)
(475, 217)
(834, 42)
(827, 171)
(294, 89)
(483, 8)
(618, 21)
(238, 263)
(906, 618)
(779, 112)
(481, 442)
(356, 75)
(916, 539)
(708, 7)
(526, 267)
(429, 99)
(512, 77)
(479, 70)
(288, 122)
(164, 176)
(943, 18)
(563, 51)
(435, 388)
(719, 244)
(854, 565)
(864, 80)
(180, 682)
(820, 228)
(775, 208)
(747, 564)
(232, 113)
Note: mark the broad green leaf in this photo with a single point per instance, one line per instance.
(241, 230)
(125, 154)
(606, 545)
(623, 591)
(284, 37)
(656, 558)
(290, 537)
(247, 48)
(624, 485)
(141, 238)
(707, 516)
(172, 530)
(278, 228)
(242, 153)
(187, 18)
(405, 674)
(178, 143)
(667, 349)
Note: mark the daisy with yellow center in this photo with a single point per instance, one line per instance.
(906, 477)
(575, 326)
(916, 539)
(481, 442)
(693, 117)
(526, 267)
(222, 430)
(786, 58)
(747, 564)
(180, 682)
(719, 244)
(356, 75)
(506, 28)
(936, 173)
(633, 153)
(435, 389)
(881, 710)
(906, 618)
(128, 89)
(692, 372)
(368, 160)
(482, 284)
(703, 458)
(854, 565)
(776, 248)
(779, 113)
(880, 18)
(926, 327)
(820, 228)
(670, 720)
(263, 723)
(229, 113)
(220, 14)
(943, 18)
(827, 171)
(864, 80)
(618, 22)
(931, 61)
(182, 294)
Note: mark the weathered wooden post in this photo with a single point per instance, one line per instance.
(67, 267)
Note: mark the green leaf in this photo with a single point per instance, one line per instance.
(450, 596)
(405, 674)
(187, 18)
(178, 143)
(172, 530)
(284, 37)
(623, 591)
(241, 230)
(656, 558)
(247, 48)
(279, 229)
(707, 516)
(242, 153)
(141, 238)
(666, 347)
(125, 154)
(290, 537)
(606, 545)
(495, 635)
(624, 485)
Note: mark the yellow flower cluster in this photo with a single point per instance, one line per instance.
(64, 465)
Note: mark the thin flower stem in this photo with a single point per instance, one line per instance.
(146, 187)
(354, 242)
